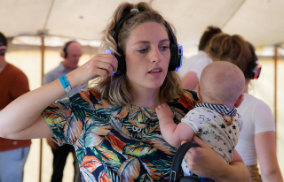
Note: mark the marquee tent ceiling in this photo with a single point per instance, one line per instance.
(259, 21)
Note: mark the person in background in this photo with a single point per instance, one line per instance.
(113, 126)
(215, 119)
(257, 138)
(257, 143)
(13, 153)
(191, 69)
(71, 54)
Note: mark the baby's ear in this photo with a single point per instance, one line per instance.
(239, 100)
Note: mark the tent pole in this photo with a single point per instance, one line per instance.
(275, 85)
(42, 50)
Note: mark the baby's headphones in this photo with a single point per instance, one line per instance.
(176, 50)
(255, 69)
(65, 47)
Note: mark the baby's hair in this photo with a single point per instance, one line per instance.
(221, 82)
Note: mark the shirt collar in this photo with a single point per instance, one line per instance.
(221, 109)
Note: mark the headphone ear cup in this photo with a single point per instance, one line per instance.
(65, 47)
(65, 53)
(173, 57)
(176, 56)
(62, 54)
(121, 67)
(176, 50)
(253, 67)
(2, 51)
(179, 56)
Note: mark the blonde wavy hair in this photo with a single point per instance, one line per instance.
(115, 88)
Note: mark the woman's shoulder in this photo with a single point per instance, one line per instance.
(188, 96)
(253, 102)
(89, 98)
(186, 101)
(89, 95)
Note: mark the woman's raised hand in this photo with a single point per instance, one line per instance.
(99, 65)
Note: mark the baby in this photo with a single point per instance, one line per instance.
(214, 119)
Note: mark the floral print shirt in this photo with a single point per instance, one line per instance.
(115, 143)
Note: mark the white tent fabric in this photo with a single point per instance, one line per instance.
(259, 21)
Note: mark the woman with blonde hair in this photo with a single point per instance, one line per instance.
(113, 126)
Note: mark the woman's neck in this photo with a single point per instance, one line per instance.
(246, 86)
(145, 98)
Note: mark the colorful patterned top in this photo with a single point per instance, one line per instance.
(115, 143)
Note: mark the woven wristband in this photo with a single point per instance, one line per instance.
(66, 85)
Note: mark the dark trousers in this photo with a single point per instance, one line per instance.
(59, 160)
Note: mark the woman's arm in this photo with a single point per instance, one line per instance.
(205, 162)
(266, 154)
(21, 119)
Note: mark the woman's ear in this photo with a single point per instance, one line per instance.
(239, 100)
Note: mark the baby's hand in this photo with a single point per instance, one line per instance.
(164, 112)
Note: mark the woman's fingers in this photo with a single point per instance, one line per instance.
(104, 64)
(109, 60)
(109, 68)
(203, 160)
(99, 65)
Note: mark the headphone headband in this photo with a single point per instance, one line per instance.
(3, 49)
(66, 45)
(119, 26)
(255, 70)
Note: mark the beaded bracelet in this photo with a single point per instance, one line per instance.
(66, 85)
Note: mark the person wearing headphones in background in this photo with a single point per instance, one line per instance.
(71, 54)
(257, 137)
(257, 142)
(113, 126)
(13, 153)
(191, 68)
